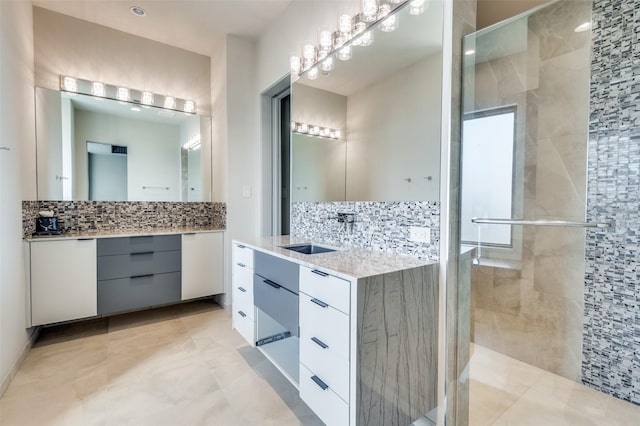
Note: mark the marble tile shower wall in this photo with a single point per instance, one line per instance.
(379, 226)
(130, 215)
(611, 337)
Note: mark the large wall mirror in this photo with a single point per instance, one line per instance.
(386, 102)
(97, 149)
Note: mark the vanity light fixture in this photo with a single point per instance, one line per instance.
(97, 89)
(125, 95)
(317, 131)
(353, 30)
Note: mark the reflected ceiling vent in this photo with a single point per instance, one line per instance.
(117, 149)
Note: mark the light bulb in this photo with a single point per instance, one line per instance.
(169, 102)
(332, 134)
(344, 23)
(315, 130)
(344, 54)
(307, 63)
(309, 51)
(338, 133)
(147, 98)
(383, 10)
(366, 39)
(70, 84)
(123, 94)
(327, 65)
(189, 107)
(303, 128)
(359, 28)
(295, 64)
(294, 126)
(322, 54)
(325, 39)
(416, 7)
(312, 74)
(389, 24)
(369, 10)
(97, 89)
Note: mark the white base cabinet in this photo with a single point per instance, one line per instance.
(202, 264)
(63, 280)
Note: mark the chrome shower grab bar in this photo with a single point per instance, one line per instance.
(565, 223)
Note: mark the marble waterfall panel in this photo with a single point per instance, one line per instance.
(397, 346)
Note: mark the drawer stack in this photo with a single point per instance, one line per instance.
(242, 282)
(324, 345)
(138, 272)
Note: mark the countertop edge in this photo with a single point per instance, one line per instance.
(117, 234)
(294, 257)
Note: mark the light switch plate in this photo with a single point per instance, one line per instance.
(246, 191)
(420, 234)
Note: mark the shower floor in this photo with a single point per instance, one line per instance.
(505, 391)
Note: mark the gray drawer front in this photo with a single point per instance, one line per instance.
(128, 265)
(278, 270)
(279, 303)
(127, 245)
(133, 293)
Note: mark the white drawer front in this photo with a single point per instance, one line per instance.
(331, 290)
(325, 323)
(242, 277)
(334, 371)
(243, 301)
(245, 326)
(242, 255)
(327, 405)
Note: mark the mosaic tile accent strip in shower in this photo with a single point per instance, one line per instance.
(126, 215)
(379, 226)
(611, 337)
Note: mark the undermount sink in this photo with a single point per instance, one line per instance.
(309, 249)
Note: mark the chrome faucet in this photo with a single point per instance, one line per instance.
(347, 218)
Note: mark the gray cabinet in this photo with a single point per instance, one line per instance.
(138, 272)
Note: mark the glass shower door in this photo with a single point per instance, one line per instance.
(521, 296)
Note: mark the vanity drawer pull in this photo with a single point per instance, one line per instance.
(242, 265)
(141, 252)
(141, 276)
(86, 239)
(272, 284)
(320, 303)
(319, 343)
(241, 246)
(320, 383)
(242, 314)
(322, 274)
(242, 289)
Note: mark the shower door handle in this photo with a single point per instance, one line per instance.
(565, 223)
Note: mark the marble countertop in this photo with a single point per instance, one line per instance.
(345, 262)
(121, 233)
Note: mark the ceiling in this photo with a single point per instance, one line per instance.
(188, 24)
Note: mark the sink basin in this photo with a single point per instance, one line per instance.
(309, 249)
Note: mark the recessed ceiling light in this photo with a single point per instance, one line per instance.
(583, 27)
(469, 52)
(136, 109)
(138, 11)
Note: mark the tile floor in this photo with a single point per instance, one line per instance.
(179, 365)
(184, 365)
(505, 391)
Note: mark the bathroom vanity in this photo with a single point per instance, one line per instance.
(354, 330)
(76, 276)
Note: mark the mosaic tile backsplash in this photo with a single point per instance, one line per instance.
(611, 338)
(378, 226)
(130, 215)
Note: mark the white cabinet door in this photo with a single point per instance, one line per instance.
(202, 264)
(63, 280)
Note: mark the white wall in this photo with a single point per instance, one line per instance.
(153, 154)
(17, 131)
(70, 46)
(393, 134)
(49, 110)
